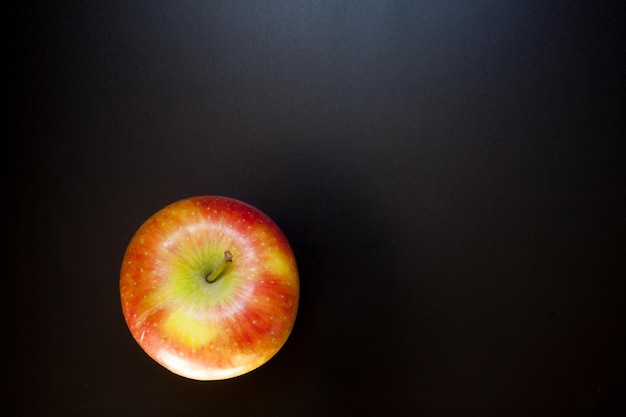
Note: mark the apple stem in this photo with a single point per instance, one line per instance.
(213, 276)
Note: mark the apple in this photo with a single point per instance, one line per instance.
(209, 287)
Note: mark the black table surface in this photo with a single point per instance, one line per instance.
(451, 176)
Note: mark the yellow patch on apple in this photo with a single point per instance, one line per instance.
(191, 331)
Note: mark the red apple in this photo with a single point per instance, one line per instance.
(209, 287)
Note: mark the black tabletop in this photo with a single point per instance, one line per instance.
(451, 177)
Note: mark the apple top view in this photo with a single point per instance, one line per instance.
(209, 287)
(315, 208)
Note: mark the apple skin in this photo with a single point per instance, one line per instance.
(202, 330)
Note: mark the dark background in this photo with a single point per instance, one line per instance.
(451, 176)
